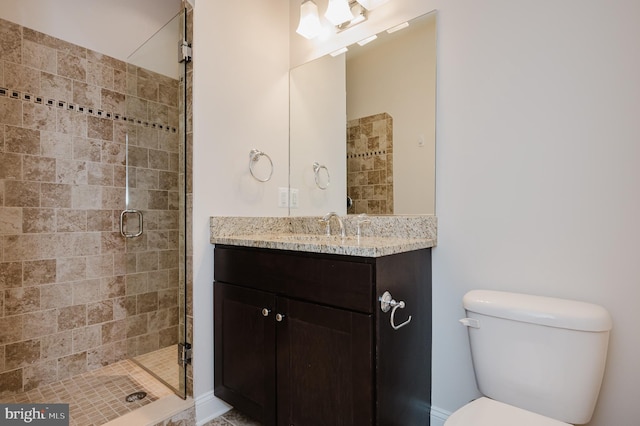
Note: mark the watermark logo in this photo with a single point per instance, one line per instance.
(34, 414)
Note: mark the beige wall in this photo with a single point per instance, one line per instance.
(538, 171)
(240, 102)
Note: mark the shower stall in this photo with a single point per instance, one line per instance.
(95, 199)
(155, 222)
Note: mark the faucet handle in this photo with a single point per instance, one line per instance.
(362, 220)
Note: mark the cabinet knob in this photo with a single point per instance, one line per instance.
(279, 317)
(266, 312)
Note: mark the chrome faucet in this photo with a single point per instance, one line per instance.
(363, 219)
(326, 219)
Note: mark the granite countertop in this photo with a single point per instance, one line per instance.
(352, 246)
(386, 235)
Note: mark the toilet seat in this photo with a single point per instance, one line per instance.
(487, 412)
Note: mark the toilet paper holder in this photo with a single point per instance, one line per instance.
(388, 302)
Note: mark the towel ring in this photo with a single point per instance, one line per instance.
(316, 171)
(254, 157)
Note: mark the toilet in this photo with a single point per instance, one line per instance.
(538, 361)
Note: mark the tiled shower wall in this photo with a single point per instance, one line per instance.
(370, 164)
(74, 295)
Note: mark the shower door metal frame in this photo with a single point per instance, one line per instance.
(184, 346)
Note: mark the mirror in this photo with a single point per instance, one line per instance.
(368, 117)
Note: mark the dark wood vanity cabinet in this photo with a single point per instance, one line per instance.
(300, 339)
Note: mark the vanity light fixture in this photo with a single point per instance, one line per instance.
(338, 12)
(339, 52)
(342, 14)
(309, 26)
(367, 40)
(398, 27)
(372, 4)
(359, 15)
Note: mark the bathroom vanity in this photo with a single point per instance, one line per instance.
(301, 339)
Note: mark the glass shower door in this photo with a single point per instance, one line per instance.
(154, 221)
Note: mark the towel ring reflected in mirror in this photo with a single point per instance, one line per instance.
(254, 158)
(317, 168)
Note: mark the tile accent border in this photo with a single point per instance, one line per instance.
(27, 97)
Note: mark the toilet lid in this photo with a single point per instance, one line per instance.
(487, 412)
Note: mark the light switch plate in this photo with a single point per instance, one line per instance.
(293, 198)
(283, 197)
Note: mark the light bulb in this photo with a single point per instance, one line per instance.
(309, 26)
(338, 12)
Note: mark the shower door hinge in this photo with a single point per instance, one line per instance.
(184, 354)
(184, 51)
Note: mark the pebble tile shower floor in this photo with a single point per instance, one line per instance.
(98, 396)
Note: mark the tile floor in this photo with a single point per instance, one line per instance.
(232, 418)
(163, 363)
(187, 418)
(97, 396)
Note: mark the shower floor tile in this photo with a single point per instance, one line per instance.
(164, 364)
(98, 396)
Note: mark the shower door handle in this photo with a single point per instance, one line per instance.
(125, 213)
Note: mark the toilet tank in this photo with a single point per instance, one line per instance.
(541, 354)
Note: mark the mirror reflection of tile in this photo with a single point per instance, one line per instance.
(370, 164)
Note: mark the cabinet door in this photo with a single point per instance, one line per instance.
(325, 366)
(244, 349)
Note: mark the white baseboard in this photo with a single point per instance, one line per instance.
(208, 407)
(438, 416)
